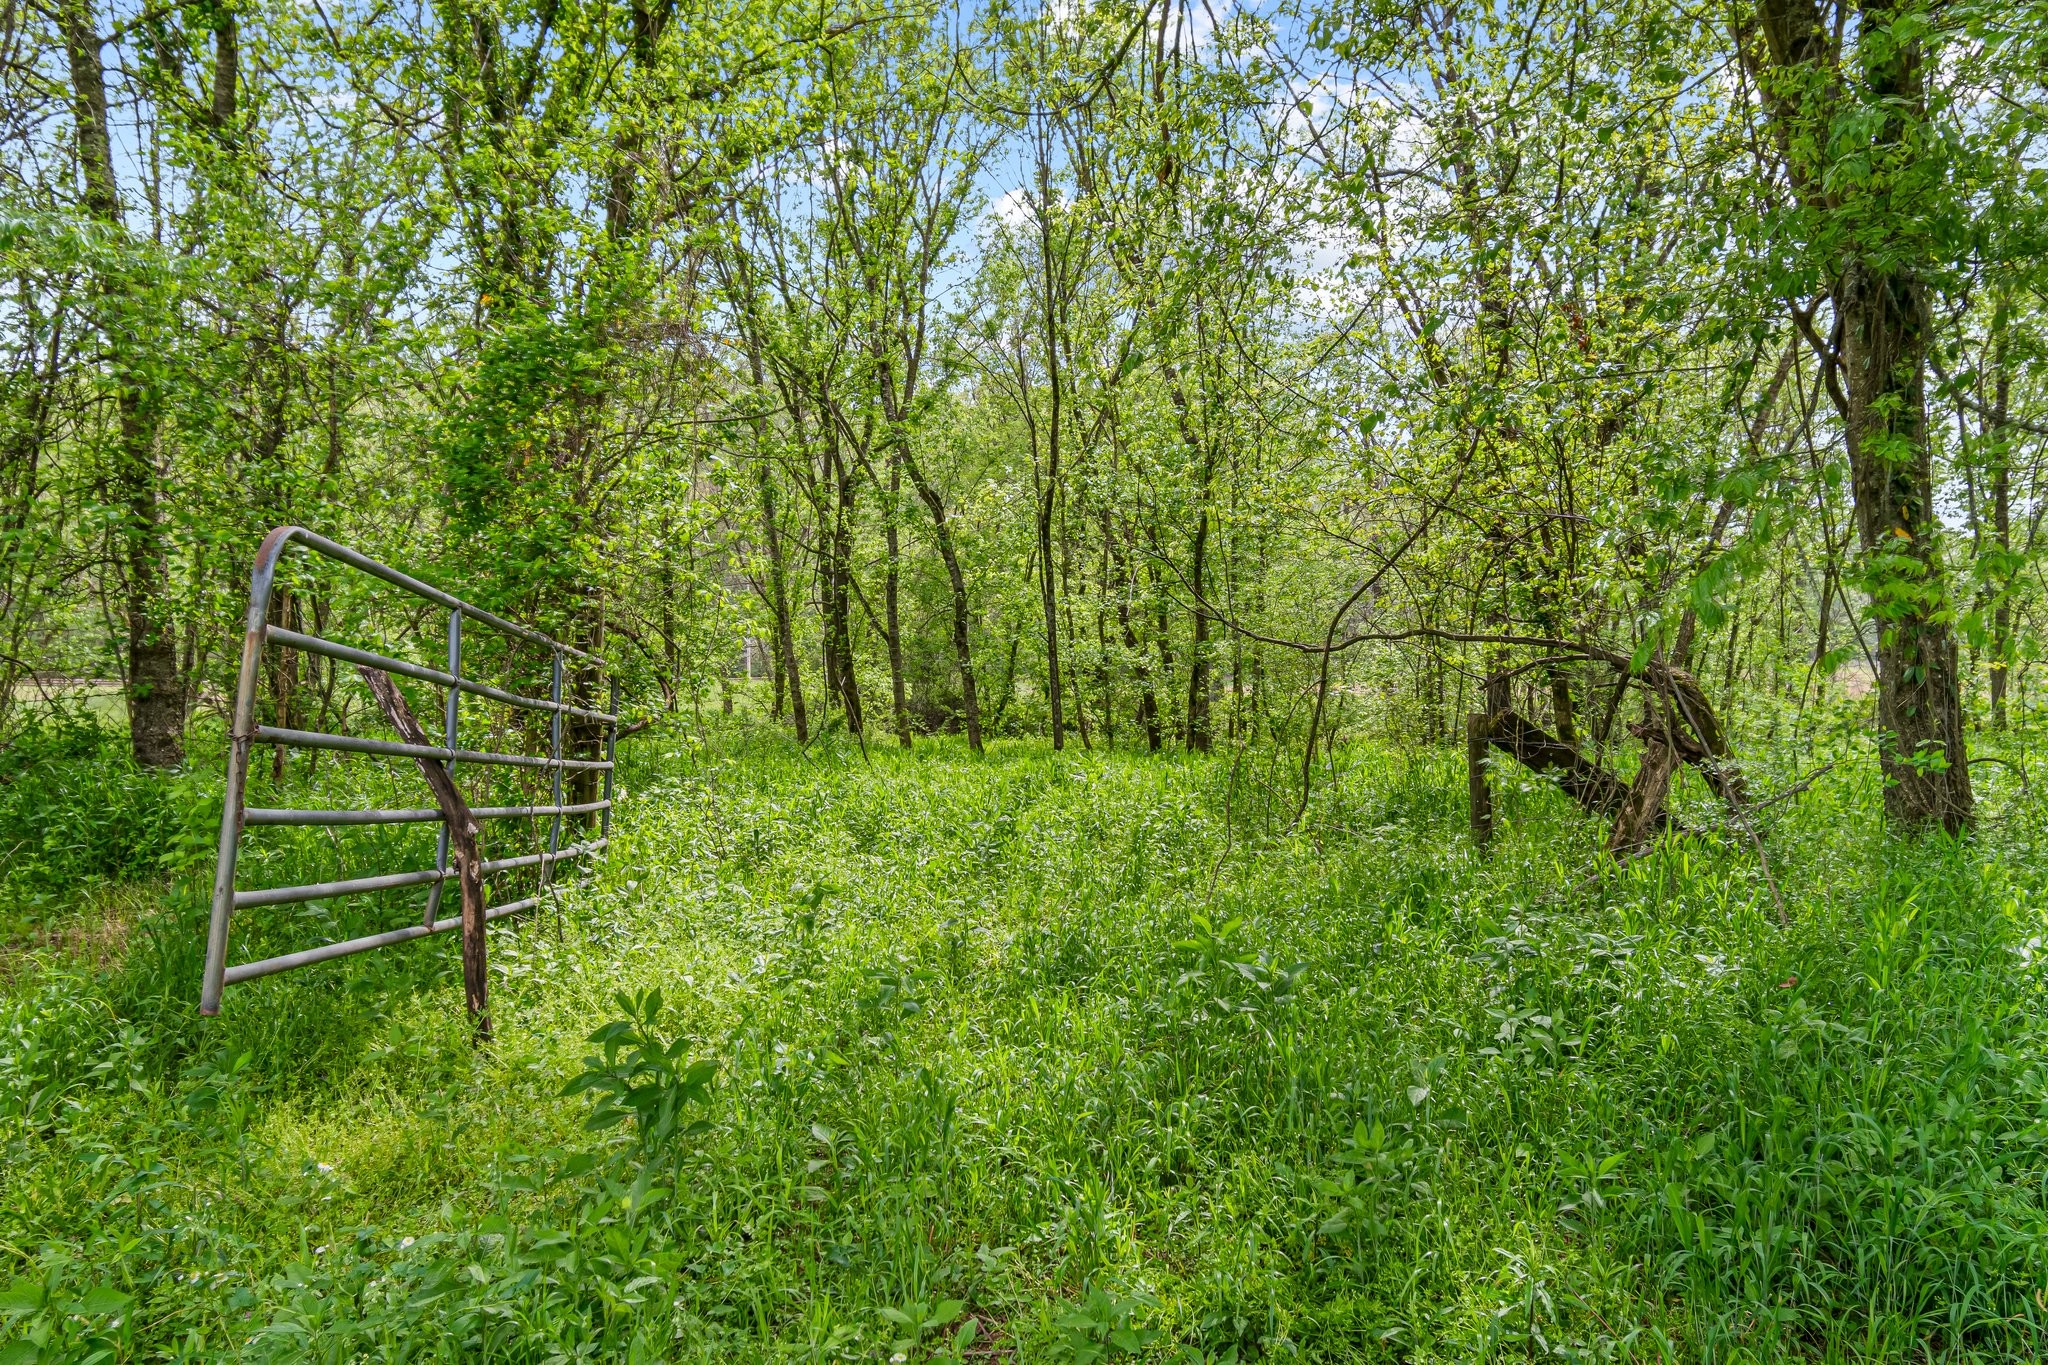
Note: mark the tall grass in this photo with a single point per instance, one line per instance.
(75, 812)
(1075, 1057)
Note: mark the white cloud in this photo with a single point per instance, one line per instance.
(1012, 207)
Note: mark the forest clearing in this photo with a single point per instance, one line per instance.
(1073, 681)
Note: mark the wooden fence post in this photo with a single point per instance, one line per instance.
(1477, 726)
(462, 832)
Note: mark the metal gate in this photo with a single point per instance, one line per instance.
(246, 733)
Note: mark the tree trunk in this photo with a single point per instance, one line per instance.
(1998, 429)
(778, 573)
(1148, 701)
(1884, 323)
(1079, 693)
(839, 582)
(1882, 320)
(156, 694)
(1198, 737)
(1197, 734)
(892, 615)
(1051, 611)
(1479, 794)
(1636, 823)
(1161, 636)
(1050, 493)
(963, 655)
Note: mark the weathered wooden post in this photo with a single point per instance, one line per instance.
(462, 834)
(1478, 725)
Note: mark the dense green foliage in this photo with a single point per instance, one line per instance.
(1085, 371)
(1134, 537)
(1092, 1053)
(76, 811)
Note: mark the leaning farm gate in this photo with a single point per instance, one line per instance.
(436, 763)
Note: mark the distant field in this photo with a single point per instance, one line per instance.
(102, 696)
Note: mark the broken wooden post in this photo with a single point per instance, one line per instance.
(1478, 728)
(1641, 810)
(1563, 714)
(462, 838)
(1499, 692)
(1701, 742)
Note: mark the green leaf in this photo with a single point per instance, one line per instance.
(102, 1301)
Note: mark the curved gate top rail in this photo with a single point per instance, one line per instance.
(246, 732)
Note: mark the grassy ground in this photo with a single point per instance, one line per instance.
(1071, 1057)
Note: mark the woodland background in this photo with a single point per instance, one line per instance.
(1085, 372)
(1090, 501)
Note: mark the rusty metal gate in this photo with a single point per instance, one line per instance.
(246, 733)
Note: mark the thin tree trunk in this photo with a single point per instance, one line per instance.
(1999, 433)
(963, 654)
(1161, 637)
(778, 598)
(1049, 495)
(892, 615)
(1197, 736)
(838, 582)
(1073, 667)
(1148, 700)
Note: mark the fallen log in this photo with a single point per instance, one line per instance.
(1597, 791)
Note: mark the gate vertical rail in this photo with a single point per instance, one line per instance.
(449, 730)
(245, 733)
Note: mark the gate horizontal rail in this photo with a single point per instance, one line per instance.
(245, 733)
(262, 815)
(313, 644)
(313, 739)
(327, 952)
(398, 881)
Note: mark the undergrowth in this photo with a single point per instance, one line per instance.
(1070, 1058)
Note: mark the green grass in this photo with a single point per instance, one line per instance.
(1087, 1052)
